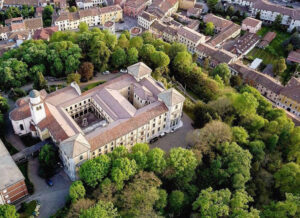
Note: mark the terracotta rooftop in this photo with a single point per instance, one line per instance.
(268, 38)
(225, 34)
(244, 43)
(292, 90)
(147, 16)
(251, 75)
(249, 21)
(294, 57)
(22, 2)
(122, 127)
(190, 34)
(44, 33)
(218, 22)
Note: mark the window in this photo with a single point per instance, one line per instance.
(153, 124)
(21, 127)
(81, 157)
(158, 129)
(99, 150)
(152, 132)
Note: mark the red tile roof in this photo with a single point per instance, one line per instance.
(44, 33)
(294, 57)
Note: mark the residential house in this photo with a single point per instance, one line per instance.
(45, 33)
(225, 34)
(252, 25)
(267, 39)
(163, 8)
(289, 97)
(244, 44)
(294, 57)
(216, 56)
(85, 4)
(194, 12)
(92, 17)
(220, 23)
(190, 38)
(145, 20)
(265, 84)
(133, 8)
(186, 4)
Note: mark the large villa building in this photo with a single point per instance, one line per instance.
(133, 108)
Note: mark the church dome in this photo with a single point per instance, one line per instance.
(34, 94)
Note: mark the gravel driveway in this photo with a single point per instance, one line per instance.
(51, 198)
(177, 138)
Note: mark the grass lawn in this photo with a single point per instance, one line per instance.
(262, 54)
(93, 85)
(276, 44)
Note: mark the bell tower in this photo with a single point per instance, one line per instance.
(37, 107)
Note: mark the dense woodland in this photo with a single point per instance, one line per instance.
(244, 157)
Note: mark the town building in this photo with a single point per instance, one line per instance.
(186, 4)
(269, 11)
(145, 20)
(225, 34)
(92, 17)
(294, 57)
(19, 29)
(45, 33)
(86, 4)
(133, 8)
(289, 98)
(12, 181)
(252, 25)
(133, 108)
(163, 8)
(267, 39)
(266, 85)
(194, 12)
(190, 38)
(244, 44)
(215, 56)
(220, 23)
(62, 4)
(157, 28)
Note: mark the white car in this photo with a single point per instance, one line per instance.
(106, 72)
(123, 71)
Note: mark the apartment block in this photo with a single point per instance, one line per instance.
(92, 17)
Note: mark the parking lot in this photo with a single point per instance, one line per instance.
(175, 139)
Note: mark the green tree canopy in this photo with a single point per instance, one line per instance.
(8, 211)
(76, 191)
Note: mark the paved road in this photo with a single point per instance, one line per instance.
(51, 198)
(97, 78)
(177, 138)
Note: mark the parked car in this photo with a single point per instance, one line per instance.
(162, 134)
(115, 71)
(153, 140)
(106, 72)
(123, 71)
(49, 182)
